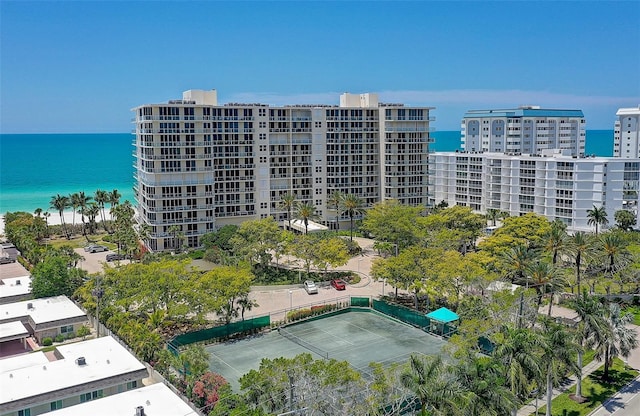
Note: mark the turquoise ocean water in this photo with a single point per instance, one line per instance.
(35, 167)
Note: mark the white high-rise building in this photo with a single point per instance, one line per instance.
(554, 184)
(201, 165)
(524, 130)
(626, 134)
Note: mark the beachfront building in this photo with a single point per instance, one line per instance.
(553, 184)
(523, 130)
(40, 382)
(45, 317)
(626, 133)
(201, 165)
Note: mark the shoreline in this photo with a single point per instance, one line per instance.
(54, 219)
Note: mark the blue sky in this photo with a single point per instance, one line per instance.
(80, 66)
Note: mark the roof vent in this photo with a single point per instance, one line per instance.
(81, 361)
(29, 305)
(140, 411)
(18, 282)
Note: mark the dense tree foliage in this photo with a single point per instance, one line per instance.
(53, 277)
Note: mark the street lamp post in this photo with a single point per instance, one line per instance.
(98, 292)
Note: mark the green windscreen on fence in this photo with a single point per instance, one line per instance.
(222, 331)
(403, 314)
(363, 302)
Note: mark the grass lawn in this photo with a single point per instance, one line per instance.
(594, 390)
(635, 310)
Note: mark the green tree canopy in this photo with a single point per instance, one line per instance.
(53, 277)
(393, 222)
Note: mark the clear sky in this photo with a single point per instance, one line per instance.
(80, 66)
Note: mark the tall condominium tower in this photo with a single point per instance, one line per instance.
(626, 136)
(525, 130)
(201, 165)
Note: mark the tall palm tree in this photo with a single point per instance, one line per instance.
(60, 203)
(434, 385)
(83, 203)
(287, 202)
(37, 212)
(619, 339)
(545, 279)
(614, 249)
(101, 197)
(352, 206)
(74, 202)
(114, 197)
(591, 328)
(176, 233)
(335, 201)
(555, 242)
(579, 246)
(559, 348)
(517, 351)
(597, 216)
(516, 261)
(305, 212)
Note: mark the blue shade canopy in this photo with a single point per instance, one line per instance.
(443, 315)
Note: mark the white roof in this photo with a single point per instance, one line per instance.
(15, 286)
(43, 310)
(633, 111)
(22, 361)
(104, 358)
(12, 330)
(312, 226)
(157, 400)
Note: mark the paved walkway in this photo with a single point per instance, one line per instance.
(628, 392)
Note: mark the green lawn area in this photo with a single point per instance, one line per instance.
(635, 310)
(594, 390)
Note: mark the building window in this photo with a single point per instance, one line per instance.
(25, 412)
(85, 397)
(66, 329)
(56, 405)
(132, 385)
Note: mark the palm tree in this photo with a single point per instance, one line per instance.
(305, 212)
(176, 233)
(559, 348)
(74, 203)
(591, 328)
(579, 246)
(83, 203)
(555, 241)
(37, 212)
(516, 261)
(101, 197)
(335, 201)
(287, 202)
(434, 385)
(352, 206)
(614, 249)
(60, 203)
(517, 352)
(618, 339)
(597, 216)
(545, 279)
(493, 215)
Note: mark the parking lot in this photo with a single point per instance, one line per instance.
(93, 262)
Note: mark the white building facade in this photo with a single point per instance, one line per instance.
(555, 185)
(200, 165)
(626, 133)
(524, 130)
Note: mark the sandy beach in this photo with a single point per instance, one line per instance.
(54, 219)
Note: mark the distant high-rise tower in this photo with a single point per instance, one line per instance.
(626, 136)
(525, 130)
(201, 165)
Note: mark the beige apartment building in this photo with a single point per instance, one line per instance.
(201, 165)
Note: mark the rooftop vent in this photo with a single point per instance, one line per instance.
(139, 411)
(18, 282)
(81, 361)
(29, 305)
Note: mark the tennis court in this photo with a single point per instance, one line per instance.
(358, 337)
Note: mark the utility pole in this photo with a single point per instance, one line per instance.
(98, 292)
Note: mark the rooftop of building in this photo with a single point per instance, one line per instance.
(156, 400)
(83, 362)
(633, 111)
(41, 310)
(524, 111)
(545, 154)
(15, 286)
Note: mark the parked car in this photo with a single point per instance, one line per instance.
(339, 284)
(310, 287)
(95, 248)
(114, 257)
(7, 259)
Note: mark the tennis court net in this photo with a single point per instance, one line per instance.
(288, 335)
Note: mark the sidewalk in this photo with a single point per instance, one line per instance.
(568, 383)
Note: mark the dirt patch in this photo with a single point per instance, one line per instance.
(578, 399)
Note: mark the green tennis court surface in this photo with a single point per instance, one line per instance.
(357, 337)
